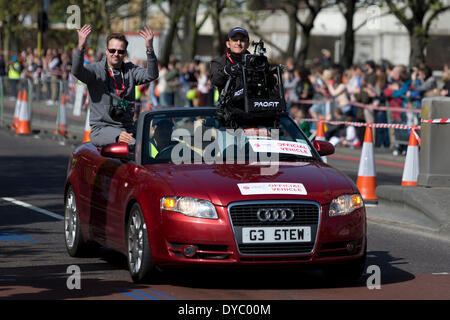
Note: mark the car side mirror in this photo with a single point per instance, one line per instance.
(323, 147)
(116, 150)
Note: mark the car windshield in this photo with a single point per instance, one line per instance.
(197, 136)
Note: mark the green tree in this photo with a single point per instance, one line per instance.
(12, 14)
(216, 11)
(99, 14)
(417, 17)
(191, 27)
(348, 9)
(301, 16)
(174, 13)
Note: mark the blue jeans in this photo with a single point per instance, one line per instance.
(381, 134)
(167, 99)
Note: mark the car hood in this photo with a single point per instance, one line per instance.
(219, 183)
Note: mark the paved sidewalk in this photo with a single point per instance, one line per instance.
(421, 208)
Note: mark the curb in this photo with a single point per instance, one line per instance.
(419, 207)
(431, 232)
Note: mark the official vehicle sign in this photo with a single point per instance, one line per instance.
(257, 133)
(276, 234)
(291, 147)
(271, 188)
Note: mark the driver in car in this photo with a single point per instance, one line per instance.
(161, 137)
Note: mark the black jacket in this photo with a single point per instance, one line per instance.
(219, 77)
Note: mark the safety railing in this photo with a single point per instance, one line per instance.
(409, 116)
(54, 104)
(49, 102)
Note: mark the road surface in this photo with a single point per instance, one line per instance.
(34, 263)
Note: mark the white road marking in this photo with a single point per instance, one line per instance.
(34, 208)
(439, 273)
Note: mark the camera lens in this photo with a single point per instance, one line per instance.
(257, 61)
(116, 113)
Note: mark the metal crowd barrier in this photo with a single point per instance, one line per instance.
(45, 97)
(44, 103)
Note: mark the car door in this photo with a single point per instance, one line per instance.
(121, 188)
(86, 173)
(104, 191)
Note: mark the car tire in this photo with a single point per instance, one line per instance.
(139, 258)
(348, 272)
(75, 243)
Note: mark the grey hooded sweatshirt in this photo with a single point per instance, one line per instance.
(102, 94)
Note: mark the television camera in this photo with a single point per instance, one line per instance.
(262, 95)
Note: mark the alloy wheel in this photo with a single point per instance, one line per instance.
(70, 219)
(136, 229)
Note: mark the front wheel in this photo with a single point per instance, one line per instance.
(140, 263)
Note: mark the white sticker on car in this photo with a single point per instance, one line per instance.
(278, 146)
(257, 133)
(272, 188)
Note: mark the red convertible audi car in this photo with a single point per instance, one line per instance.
(193, 192)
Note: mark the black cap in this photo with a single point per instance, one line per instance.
(237, 30)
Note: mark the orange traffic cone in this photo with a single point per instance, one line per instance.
(411, 170)
(16, 111)
(367, 181)
(148, 106)
(87, 128)
(61, 119)
(320, 135)
(23, 126)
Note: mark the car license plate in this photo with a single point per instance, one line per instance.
(276, 234)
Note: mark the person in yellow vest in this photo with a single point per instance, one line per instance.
(14, 70)
(137, 99)
(161, 137)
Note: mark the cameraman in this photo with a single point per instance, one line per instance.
(111, 84)
(229, 64)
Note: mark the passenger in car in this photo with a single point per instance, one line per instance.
(111, 84)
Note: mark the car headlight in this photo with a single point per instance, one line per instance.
(345, 204)
(190, 207)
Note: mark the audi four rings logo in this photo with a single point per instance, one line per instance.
(275, 214)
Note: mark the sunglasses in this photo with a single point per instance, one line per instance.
(112, 51)
(236, 39)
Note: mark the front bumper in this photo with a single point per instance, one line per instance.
(219, 242)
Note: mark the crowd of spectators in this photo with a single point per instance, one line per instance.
(323, 89)
(329, 91)
(44, 70)
(180, 84)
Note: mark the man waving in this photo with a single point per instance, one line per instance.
(111, 84)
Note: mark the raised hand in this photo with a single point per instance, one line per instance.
(83, 34)
(148, 35)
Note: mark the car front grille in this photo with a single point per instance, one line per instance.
(244, 214)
